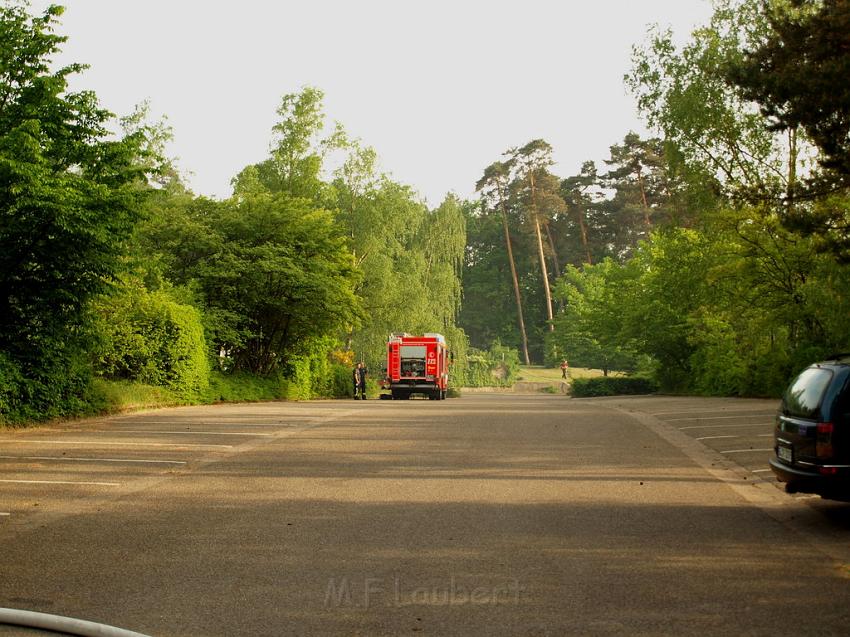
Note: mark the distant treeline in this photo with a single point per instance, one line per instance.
(113, 274)
(713, 257)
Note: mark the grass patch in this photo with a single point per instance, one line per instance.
(540, 374)
(113, 396)
(243, 388)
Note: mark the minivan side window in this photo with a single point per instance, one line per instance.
(842, 405)
(803, 397)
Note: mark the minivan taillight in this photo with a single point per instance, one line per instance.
(823, 442)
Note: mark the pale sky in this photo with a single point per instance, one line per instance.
(440, 88)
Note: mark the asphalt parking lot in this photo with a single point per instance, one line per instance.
(740, 430)
(55, 470)
(639, 515)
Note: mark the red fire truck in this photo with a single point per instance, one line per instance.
(417, 365)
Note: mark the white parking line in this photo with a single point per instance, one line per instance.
(716, 437)
(63, 458)
(96, 484)
(739, 416)
(707, 411)
(2, 514)
(747, 450)
(119, 444)
(761, 470)
(280, 425)
(300, 419)
(757, 424)
(200, 433)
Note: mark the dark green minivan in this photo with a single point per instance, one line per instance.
(812, 435)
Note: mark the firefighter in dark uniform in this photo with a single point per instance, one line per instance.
(359, 379)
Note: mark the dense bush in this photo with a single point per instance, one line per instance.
(10, 385)
(69, 200)
(150, 338)
(47, 388)
(496, 367)
(612, 386)
(242, 387)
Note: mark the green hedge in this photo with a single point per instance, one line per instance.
(613, 386)
(150, 338)
(496, 367)
(53, 387)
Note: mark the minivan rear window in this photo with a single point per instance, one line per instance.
(804, 396)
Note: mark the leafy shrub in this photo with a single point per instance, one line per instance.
(110, 396)
(242, 387)
(10, 385)
(314, 372)
(496, 367)
(46, 388)
(612, 386)
(341, 383)
(148, 337)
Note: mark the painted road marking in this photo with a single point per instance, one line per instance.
(707, 411)
(63, 458)
(747, 450)
(200, 433)
(716, 437)
(235, 421)
(1, 513)
(119, 444)
(97, 484)
(739, 416)
(280, 425)
(757, 424)
(761, 470)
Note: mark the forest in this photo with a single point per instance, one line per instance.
(710, 258)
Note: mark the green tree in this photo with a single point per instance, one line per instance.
(684, 93)
(580, 193)
(590, 330)
(410, 258)
(273, 274)
(68, 202)
(798, 75)
(488, 312)
(280, 277)
(494, 190)
(298, 151)
(150, 337)
(536, 190)
(671, 286)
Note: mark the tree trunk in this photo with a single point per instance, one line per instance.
(643, 200)
(792, 168)
(547, 291)
(520, 319)
(555, 260)
(517, 296)
(582, 225)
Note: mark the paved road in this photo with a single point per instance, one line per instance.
(489, 514)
